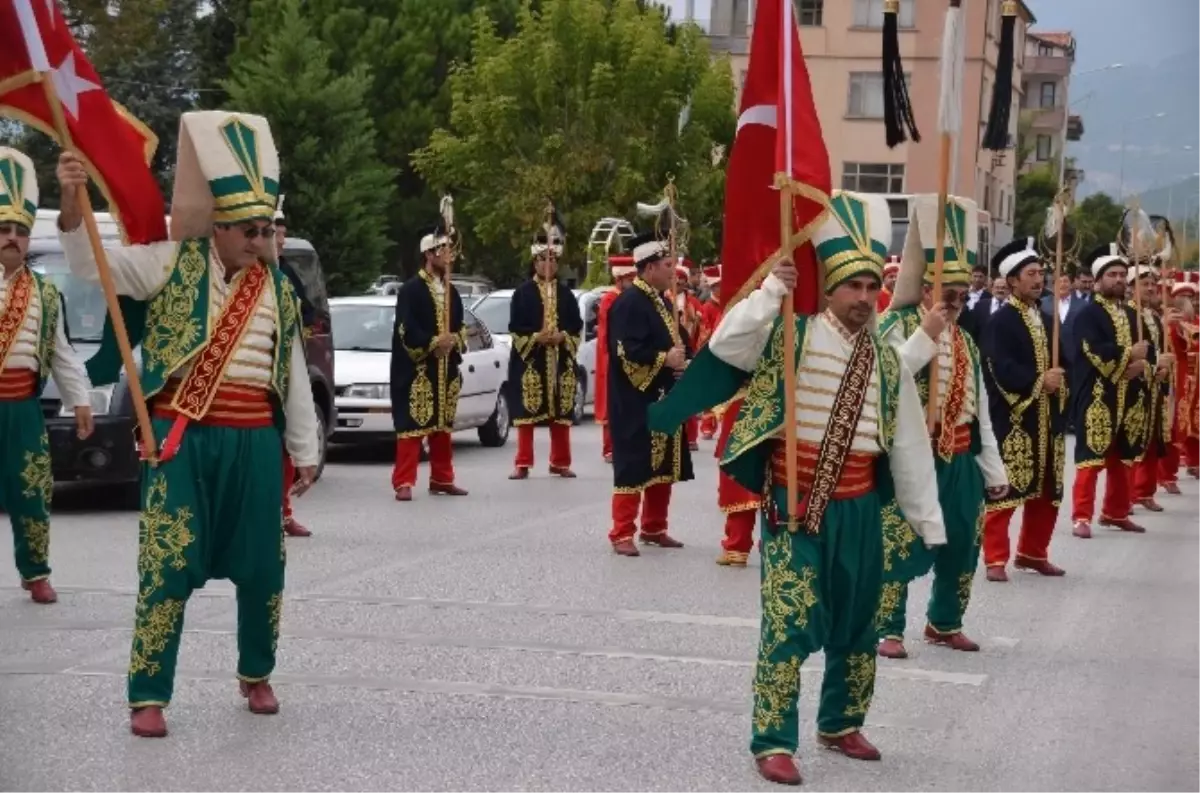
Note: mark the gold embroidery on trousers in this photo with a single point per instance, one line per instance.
(964, 592)
(898, 536)
(38, 479)
(775, 686)
(152, 633)
(275, 610)
(860, 683)
(889, 601)
(37, 539)
(163, 537)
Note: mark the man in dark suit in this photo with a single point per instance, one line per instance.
(989, 303)
(1068, 303)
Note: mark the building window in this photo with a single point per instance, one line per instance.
(741, 17)
(810, 12)
(1045, 50)
(1044, 145)
(1048, 94)
(985, 241)
(869, 13)
(873, 177)
(866, 95)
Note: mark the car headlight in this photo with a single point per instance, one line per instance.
(100, 400)
(370, 391)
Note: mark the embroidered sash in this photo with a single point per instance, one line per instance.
(20, 291)
(195, 394)
(839, 434)
(956, 392)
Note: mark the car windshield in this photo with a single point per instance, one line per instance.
(363, 328)
(493, 311)
(84, 299)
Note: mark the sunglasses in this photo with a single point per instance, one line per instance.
(16, 229)
(252, 232)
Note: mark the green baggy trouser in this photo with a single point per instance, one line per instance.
(818, 591)
(961, 495)
(26, 484)
(214, 511)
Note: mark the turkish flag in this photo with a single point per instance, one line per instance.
(778, 132)
(36, 44)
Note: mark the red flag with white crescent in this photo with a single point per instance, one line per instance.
(778, 132)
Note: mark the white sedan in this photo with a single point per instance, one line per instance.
(493, 310)
(362, 340)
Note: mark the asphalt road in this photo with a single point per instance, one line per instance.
(495, 642)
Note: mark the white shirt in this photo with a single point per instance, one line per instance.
(1064, 305)
(996, 303)
(973, 298)
(739, 341)
(66, 367)
(141, 271)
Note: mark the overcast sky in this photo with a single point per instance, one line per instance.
(1124, 31)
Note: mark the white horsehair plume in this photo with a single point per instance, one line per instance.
(446, 209)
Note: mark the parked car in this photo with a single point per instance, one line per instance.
(494, 308)
(362, 330)
(110, 454)
(471, 287)
(384, 285)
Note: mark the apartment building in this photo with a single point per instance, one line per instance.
(1046, 120)
(841, 41)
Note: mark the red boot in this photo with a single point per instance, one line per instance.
(892, 648)
(40, 591)
(293, 528)
(955, 641)
(779, 768)
(853, 744)
(260, 697)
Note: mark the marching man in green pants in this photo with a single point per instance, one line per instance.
(860, 443)
(965, 452)
(33, 347)
(223, 369)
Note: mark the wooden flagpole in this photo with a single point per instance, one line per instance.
(789, 356)
(1056, 333)
(149, 451)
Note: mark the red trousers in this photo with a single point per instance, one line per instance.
(408, 454)
(708, 425)
(1191, 452)
(560, 446)
(692, 430)
(654, 503)
(1037, 527)
(741, 509)
(1146, 474)
(289, 476)
(1117, 500)
(606, 443)
(1168, 465)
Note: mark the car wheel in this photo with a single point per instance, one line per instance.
(580, 396)
(322, 441)
(495, 432)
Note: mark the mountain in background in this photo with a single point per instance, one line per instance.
(1169, 201)
(1119, 101)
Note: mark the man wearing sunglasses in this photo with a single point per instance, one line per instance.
(33, 346)
(224, 372)
(966, 458)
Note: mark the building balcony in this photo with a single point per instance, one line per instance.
(1074, 128)
(1049, 119)
(1047, 65)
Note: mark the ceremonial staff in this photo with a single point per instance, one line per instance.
(949, 125)
(446, 208)
(550, 305)
(1056, 228)
(40, 62)
(667, 206)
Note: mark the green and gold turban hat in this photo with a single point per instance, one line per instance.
(227, 172)
(18, 188)
(854, 238)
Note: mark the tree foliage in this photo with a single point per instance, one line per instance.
(1097, 220)
(337, 189)
(581, 106)
(1035, 194)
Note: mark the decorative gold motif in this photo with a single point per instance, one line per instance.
(420, 398)
(36, 475)
(1017, 452)
(275, 610)
(762, 409)
(163, 537)
(172, 329)
(1135, 421)
(37, 539)
(957, 390)
(889, 601)
(640, 375)
(860, 683)
(888, 361)
(450, 405)
(49, 341)
(566, 393)
(787, 595)
(776, 687)
(898, 535)
(1097, 422)
(152, 633)
(20, 292)
(1060, 461)
(658, 450)
(531, 390)
(964, 591)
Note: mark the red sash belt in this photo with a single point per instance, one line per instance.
(236, 406)
(962, 438)
(17, 385)
(858, 473)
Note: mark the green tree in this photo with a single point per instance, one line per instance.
(410, 48)
(217, 35)
(1036, 190)
(1097, 220)
(581, 105)
(337, 189)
